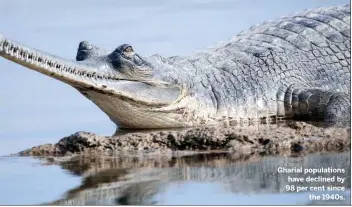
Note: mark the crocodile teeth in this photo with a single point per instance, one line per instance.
(26, 55)
(16, 52)
(6, 48)
(34, 58)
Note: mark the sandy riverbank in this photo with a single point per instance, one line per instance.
(268, 139)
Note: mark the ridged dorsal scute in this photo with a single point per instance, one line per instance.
(299, 31)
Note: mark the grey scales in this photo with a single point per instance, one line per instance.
(295, 67)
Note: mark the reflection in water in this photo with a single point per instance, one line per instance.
(141, 180)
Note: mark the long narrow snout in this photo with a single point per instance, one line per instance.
(88, 75)
(72, 72)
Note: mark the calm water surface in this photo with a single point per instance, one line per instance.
(35, 109)
(194, 179)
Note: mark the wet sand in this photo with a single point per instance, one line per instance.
(284, 137)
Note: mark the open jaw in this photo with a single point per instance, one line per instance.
(103, 84)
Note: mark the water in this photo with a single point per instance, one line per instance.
(218, 179)
(26, 181)
(35, 109)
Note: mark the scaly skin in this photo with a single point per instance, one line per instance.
(294, 67)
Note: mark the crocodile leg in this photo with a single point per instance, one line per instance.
(316, 104)
(338, 110)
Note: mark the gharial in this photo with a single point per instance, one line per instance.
(295, 67)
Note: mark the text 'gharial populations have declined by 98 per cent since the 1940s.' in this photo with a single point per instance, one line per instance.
(325, 183)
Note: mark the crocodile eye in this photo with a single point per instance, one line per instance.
(125, 50)
(128, 52)
(128, 49)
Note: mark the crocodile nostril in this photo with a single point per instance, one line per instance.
(85, 45)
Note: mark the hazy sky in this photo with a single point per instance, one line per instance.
(35, 109)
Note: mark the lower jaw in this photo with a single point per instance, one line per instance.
(146, 125)
(125, 114)
(140, 119)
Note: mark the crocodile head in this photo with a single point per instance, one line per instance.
(134, 91)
